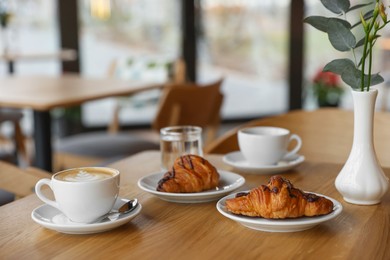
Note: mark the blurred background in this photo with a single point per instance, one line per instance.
(245, 41)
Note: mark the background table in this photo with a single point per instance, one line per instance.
(60, 55)
(166, 230)
(43, 93)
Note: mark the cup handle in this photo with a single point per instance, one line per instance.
(296, 148)
(40, 195)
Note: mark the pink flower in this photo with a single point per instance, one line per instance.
(328, 79)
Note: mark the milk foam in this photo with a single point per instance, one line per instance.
(86, 176)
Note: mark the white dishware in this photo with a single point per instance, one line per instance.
(278, 225)
(265, 145)
(51, 218)
(228, 182)
(176, 141)
(238, 162)
(82, 194)
(361, 180)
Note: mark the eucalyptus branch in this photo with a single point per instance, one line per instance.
(342, 38)
(370, 66)
(363, 62)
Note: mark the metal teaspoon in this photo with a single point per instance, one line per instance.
(125, 208)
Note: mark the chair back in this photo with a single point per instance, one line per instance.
(190, 104)
(14, 117)
(176, 71)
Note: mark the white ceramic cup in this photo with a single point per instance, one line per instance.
(264, 145)
(176, 141)
(82, 194)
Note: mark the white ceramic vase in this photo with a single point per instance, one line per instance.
(362, 181)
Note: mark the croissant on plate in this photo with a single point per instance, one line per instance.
(278, 200)
(189, 173)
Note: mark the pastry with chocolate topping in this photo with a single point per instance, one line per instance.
(279, 200)
(189, 173)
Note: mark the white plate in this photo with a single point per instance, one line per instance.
(228, 182)
(51, 218)
(279, 225)
(237, 160)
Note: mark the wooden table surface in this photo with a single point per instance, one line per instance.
(14, 56)
(62, 55)
(165, 230)
(326, 133)
(43, 93)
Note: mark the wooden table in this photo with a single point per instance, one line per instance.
(326, 133)
(166, 230)
(43, 93)
(61, 55)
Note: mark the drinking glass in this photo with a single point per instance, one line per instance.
(176, 141)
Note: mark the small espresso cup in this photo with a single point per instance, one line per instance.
(176, 141)
(265, 145)
(82, 194)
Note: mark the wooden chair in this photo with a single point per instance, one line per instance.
(326, 134)
(191, 104)
(69, 150)
(16, 182)
(180, 104)
(19, 153)
(176, 71)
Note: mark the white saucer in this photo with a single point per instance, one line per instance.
(51, 218)
(279, 225)
(228, 182)
(237, 160)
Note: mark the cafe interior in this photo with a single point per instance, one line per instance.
(93, 83)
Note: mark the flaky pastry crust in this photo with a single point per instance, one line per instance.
(279, 200)
(189, 173)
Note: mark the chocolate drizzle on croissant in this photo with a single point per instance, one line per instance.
(278, 200)
(189, 173)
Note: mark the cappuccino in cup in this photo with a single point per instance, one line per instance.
(80, 175)
(82, 194)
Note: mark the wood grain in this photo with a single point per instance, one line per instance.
(326, 134)
(166, 230)
(18, 181)
(46, 92)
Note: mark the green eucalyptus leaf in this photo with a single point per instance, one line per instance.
(376, 79)
(340, 36)
(336, 6)
(360, 43)
(321, 23)
(351, 77)
(369, 14)
(339, 65)
(318, 22)
(342, 22)
(350, 74)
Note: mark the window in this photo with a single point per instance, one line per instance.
(125, 39)
(246, 42)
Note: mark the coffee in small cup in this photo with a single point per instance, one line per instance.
(80, 175)
(265, 145)
(82, 194)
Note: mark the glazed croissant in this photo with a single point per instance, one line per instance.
(278, 200)
(189, 173)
